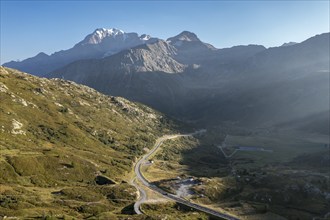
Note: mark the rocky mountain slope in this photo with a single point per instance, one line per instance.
(66, 149)
(101, 43)
(134, 74)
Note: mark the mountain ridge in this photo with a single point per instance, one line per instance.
(99, 44)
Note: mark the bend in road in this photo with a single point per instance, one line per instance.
(142, 197)
(145, 182)
(143, 194)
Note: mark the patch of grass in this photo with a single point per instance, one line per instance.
(123, 194)
(171, 210)
(80, 194)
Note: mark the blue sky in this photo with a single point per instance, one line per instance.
(30, 27)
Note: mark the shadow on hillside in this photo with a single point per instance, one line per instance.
(205, 160)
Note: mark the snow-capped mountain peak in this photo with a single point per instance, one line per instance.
(145, 37)
(101, 33)
(100, 43)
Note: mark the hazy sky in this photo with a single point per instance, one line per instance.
(30, 27)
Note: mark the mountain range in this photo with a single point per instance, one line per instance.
(101, 43)
(192, 80)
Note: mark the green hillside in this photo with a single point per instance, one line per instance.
(67, 150)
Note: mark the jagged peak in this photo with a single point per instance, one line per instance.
(108, 32)
(184, 36)
(100, 34)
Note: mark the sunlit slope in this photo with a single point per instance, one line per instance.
(64, 146)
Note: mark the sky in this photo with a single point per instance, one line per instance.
(30, 27)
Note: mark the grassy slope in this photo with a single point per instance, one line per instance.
(57, 136)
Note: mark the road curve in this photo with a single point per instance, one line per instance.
(145, 182)
(143, 194)
(142, 197)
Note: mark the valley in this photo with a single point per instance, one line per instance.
(234, 183)
(269, 173)
(177, 199)
(129, 126)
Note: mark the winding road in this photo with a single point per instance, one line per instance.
(145, 182)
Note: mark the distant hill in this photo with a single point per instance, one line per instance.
(67, 149)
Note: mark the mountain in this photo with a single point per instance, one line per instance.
(101, 43)
(68, 150)
(107, 42)
(190, 49)
(159, 74)
(188, 79)
(144, 73)
(275, 86)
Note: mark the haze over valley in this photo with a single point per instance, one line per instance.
(127, 125)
